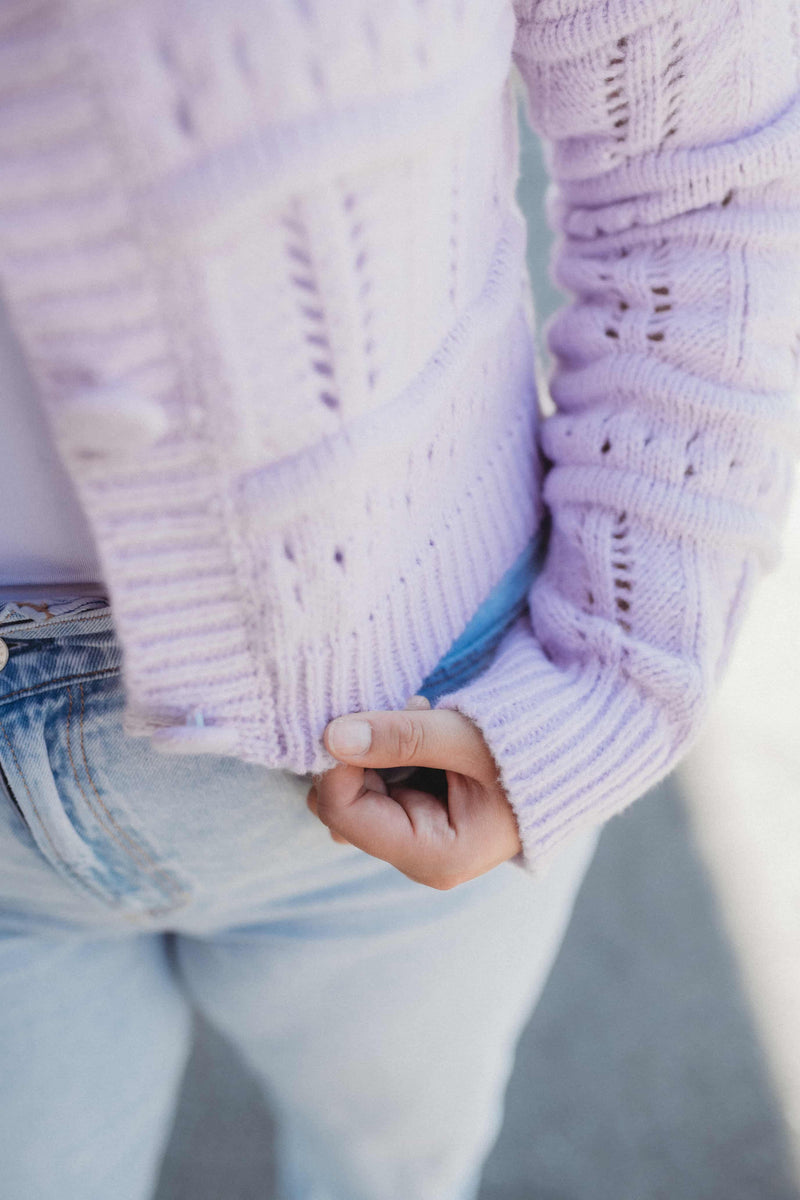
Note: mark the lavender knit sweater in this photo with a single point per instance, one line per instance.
(267, 266)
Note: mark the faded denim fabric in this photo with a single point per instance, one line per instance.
(380, 1016)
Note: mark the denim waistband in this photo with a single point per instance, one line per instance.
(53, 611)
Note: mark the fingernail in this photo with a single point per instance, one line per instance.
(348, 736)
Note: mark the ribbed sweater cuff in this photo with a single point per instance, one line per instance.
(573, 745)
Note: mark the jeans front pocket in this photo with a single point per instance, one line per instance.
(56, 747)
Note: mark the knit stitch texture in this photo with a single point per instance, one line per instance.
(267, 266)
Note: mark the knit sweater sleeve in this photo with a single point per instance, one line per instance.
(672, 134)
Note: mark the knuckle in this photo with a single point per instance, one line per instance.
(409, 739)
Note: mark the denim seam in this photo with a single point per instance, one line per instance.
(51, 622)
(137, 853)
(83, 883)
(37, 687)
(175, 891)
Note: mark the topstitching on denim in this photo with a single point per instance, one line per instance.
(75, 677)
(53, 624)
(67, 866)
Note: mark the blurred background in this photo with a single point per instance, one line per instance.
(663, 1060)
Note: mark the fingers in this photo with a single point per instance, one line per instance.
(364, 803)
(371, 778)
(311, 801)
(429, 819)
(409, 829)
(365, 815)
(399, 774)
(440, 738)
(432, 843)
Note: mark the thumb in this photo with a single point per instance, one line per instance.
(443, 739)
(400, 774)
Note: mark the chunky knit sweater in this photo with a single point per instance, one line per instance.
(267, 266)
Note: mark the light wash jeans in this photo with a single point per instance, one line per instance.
(381, 1016)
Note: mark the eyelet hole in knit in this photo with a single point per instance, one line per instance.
(301, 276)
(317, 76)
(186, 83)
(241, 54)
(671, 75)
(690, 468)
(659, 292)
(623, 586)
(183, 117)
(364, 287)
(617, 104)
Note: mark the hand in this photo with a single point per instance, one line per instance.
(438, 842)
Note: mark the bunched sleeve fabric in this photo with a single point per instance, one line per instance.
(672, 136)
